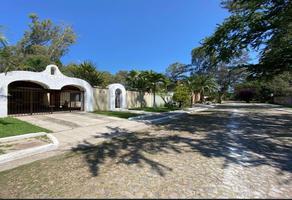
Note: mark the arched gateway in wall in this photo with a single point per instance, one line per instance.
(117, 97)
(24, 92)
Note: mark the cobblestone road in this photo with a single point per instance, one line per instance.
(241, 151)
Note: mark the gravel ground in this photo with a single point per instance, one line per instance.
(234, 151)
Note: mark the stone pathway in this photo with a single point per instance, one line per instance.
(231, 151)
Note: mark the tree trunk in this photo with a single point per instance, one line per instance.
(154, 98)
(141, 98)
(192, 98)
(202, 96)
(163, 98)
(220, 97)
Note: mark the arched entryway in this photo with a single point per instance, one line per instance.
(27, 97)
(118, 98)
(71, 98)
(25, 92)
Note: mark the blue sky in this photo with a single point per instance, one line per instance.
(122, 34)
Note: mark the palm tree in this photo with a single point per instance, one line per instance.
(137, 80)
(3, 40)
(4, 52)
(154, 79)
(201, 83)
(87, 71)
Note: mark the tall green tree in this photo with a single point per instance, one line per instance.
(87, 71)
(136, 80)
(259, 25)
(226, 78)
(177, 71)
(265, 89)
(153, 80)
(121, 77)
(181, 95)
(42, 44)
(202, 83)
(202, 61)
(108, 79)
(3, 40)
(43, 37)
(227, 75)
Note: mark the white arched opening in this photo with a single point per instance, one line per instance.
(117, 97)
(50, 79)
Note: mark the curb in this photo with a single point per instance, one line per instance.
(31, 151)
(23, 136)
(140, 118)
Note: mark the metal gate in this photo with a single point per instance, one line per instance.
(27, 101)
(37, 100)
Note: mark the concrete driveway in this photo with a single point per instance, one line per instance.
(74, 128)
(58, 122)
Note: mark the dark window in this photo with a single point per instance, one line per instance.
(53, 70)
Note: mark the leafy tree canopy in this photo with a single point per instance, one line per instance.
(181, 95)
(202, 83)
(42, 44)
(260, 25)
(177, 71)
(3, 40)
(87, 71)
(121, 77)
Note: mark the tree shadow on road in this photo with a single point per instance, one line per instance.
(260, 139)
(129, 148)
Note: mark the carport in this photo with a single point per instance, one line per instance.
(24, 92)
(26, 97)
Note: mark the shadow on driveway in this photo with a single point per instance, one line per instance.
(263, 139)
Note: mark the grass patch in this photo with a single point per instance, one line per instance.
(159, 109)
(119, 114)
(10, 126)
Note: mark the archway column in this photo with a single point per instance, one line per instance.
(112, 95)
(3, 101)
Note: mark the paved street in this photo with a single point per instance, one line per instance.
(233, 150)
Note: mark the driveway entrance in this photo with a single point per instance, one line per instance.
(74, 128)
(57, 122)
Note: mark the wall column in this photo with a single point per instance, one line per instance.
(4, 101)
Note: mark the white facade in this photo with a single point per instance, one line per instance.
(112, 96)
(51, 78)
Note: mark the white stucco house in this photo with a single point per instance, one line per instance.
(23, 92)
